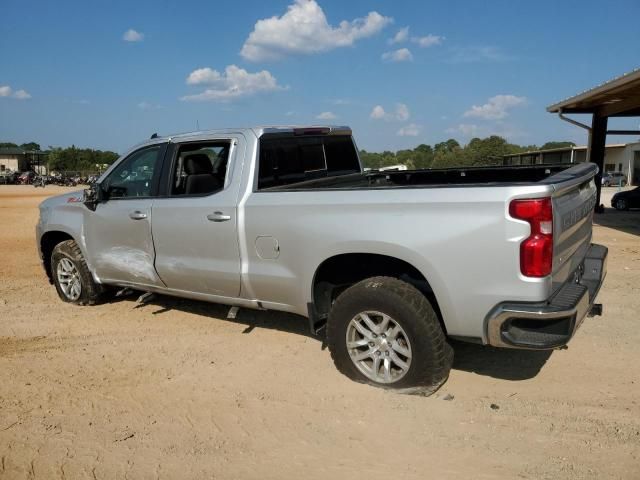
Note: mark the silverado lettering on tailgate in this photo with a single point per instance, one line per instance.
(569, 219)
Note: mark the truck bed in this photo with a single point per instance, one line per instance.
(450, 177)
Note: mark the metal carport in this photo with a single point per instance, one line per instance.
(619, 97)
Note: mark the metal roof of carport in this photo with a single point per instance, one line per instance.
(617, 97)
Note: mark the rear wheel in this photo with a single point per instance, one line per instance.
(71, 276)
(621, 204)
(384, 332)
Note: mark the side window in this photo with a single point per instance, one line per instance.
(288, 160)
(200, 168)
(134, 176)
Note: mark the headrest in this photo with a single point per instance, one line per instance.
(197, 163)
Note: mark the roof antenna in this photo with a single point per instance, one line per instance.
(155, 135)
(197, 125)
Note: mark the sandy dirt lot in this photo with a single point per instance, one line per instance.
(172, 389)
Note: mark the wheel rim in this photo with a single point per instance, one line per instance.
(622, 204)
(69, 279)
(379, 347)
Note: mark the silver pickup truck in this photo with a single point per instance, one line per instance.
(388, 265)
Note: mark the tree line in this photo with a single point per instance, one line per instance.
(69, 158)
(478, 152)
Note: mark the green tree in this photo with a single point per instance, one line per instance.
(75, 159)
(30, 146)
(551, 145)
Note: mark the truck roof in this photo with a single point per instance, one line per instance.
(258, 131)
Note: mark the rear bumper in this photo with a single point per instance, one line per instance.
(552, 323)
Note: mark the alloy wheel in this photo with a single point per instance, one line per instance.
(378, 346)
(69, 279)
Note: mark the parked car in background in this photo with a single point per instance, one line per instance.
(26, 178)
(626, 200)
(613, 179)
(8, 178)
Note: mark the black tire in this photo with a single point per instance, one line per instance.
(431, 355)
(621, 204)
(90, 291)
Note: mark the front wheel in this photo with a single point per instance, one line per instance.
(384, 332)
(71, 276)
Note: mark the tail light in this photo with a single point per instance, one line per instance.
(536, 252)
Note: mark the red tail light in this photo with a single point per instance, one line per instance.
(536, 252)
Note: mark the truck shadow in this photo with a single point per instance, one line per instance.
(502, 363)
(252, 319)
(498, 363)
(626, 221)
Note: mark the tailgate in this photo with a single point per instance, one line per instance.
(574, 199)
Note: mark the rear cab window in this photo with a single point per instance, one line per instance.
(288, 159)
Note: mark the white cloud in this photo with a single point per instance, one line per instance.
(401, 113)
(401, 36)
(326, 116)
(400, 55)
(7, 91)
(428, 40)
(466, 129)
(496, 107)
(411, 130)
(378, 113)
(132, 36)
(149, 106)
(475, 54)
(469, 130)
(304, 29)
(235, 82)
(21, 95)
(203, 76)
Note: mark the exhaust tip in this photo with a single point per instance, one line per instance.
(596, 310)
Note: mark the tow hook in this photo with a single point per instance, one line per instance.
(596, 310)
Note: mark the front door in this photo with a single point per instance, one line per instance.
(118, 232)
(195, 224)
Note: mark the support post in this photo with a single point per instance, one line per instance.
(597, 140)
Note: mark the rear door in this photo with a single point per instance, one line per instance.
(195, 224)
(118, 232)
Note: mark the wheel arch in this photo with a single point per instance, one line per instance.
(48, 242)
(338, 272)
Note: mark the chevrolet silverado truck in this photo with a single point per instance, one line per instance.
(389, 265)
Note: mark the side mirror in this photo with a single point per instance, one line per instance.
(93, 196)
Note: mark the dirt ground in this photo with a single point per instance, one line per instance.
(172, 389)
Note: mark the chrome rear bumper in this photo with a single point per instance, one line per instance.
(552, 323)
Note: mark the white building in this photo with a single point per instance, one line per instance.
(619, 157)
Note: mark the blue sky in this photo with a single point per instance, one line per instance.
(109, 74)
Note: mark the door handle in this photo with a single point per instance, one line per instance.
(137, 215)
(218, 217)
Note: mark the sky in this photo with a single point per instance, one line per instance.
(107, 75)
